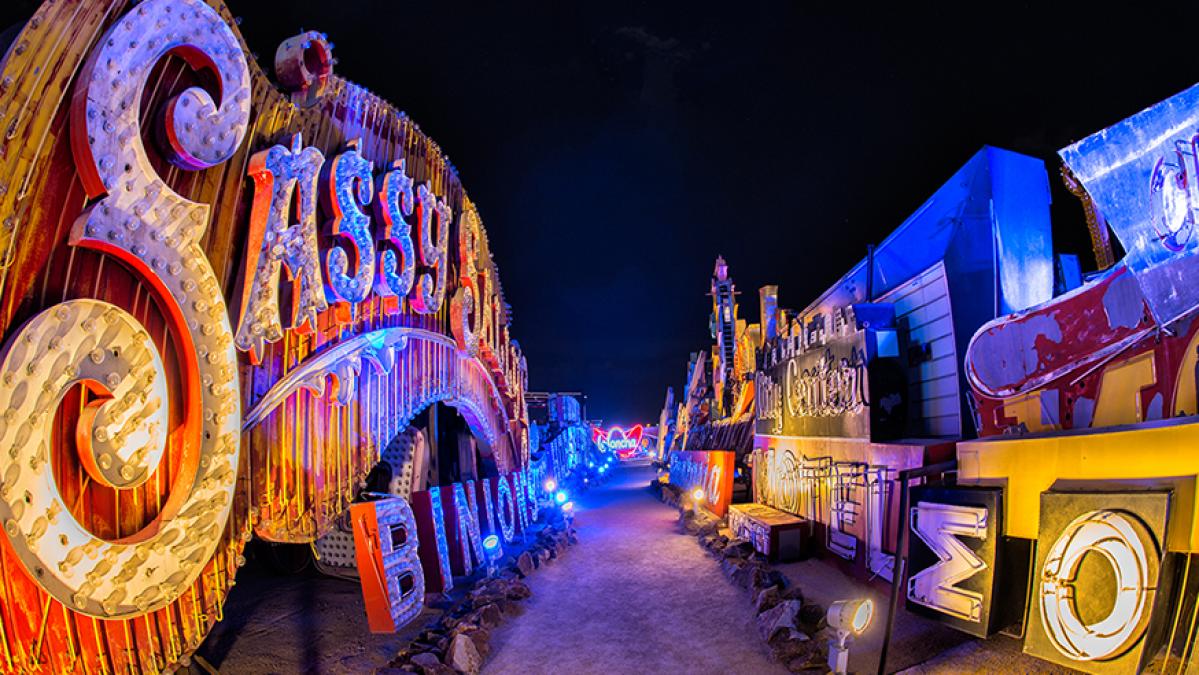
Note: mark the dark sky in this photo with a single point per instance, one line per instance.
(614, 149)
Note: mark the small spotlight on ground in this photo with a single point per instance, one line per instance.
(698, 495)
(849, 618)
(491, 544)
(550, 485)
(560, 496)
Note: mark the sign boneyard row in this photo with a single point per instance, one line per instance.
(218, 301)
(1073, 519)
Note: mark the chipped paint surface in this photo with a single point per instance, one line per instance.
(1089, 358)
(1123, 303)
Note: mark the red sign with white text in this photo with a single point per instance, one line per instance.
(709, 470)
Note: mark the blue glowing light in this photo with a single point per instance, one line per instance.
(491, 543)
(603, 469)
(560, 496)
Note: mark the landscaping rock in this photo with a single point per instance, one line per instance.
(738, 548)
(524, 564)
(426, 659)
(481, 637)
(793, 593)
(766, 599)
(463, 656)
(792, 648)
(812, 616)
(490, 616)
(815, 660)
(731, 566)
(743, 575)
(781, 617)
(518, 590)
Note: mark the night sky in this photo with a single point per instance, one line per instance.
(614, 149)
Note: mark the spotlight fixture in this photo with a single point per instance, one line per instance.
(491, 548)
(560, 496)
(698, 495)
(550, 485)
(849, 618)
(491, 544)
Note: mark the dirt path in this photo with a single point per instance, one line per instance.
(634, 596)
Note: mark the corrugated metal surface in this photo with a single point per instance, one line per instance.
(923, 305)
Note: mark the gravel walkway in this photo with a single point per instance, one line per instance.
(634, 596)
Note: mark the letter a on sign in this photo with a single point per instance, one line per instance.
(939, 526)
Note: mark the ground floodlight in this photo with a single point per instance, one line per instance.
(849, 618)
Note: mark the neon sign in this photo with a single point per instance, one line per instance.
(620, 441)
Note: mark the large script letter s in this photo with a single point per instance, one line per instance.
(284, 178)
(139, 220)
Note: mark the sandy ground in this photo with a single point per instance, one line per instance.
(634, 596)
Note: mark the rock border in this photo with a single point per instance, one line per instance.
(459, 641)
(793, 628)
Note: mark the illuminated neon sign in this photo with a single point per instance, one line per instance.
(618, 440)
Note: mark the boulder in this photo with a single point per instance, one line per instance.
(738, 548)
(462, 655)
(481, 637)
(815, 660)
(731, 566)
(524, 564)
(744, 574)
(425, 660)
(793, 593)
(781, 617)
(812, 616)
(766, 599)
(518, 590)
(490, 616)
(793, 646)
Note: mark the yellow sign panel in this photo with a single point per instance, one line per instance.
(1158, 455)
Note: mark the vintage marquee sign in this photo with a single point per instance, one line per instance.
(711, 471)
(218, 302)
(836, 383)
(620, 441)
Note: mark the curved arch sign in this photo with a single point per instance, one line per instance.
(219, 299)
